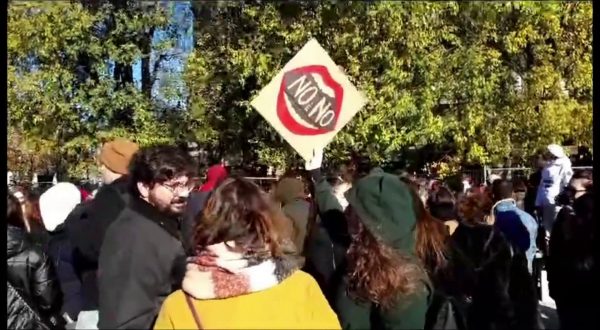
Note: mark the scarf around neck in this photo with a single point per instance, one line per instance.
(218, 272)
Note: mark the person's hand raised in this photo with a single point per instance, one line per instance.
(316, 161)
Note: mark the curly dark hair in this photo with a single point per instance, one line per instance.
(157, 164)
(240, 211)
(378, 273)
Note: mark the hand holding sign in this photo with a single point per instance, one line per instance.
(309, 101)
(316, 161)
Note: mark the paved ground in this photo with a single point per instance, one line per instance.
(547, 306)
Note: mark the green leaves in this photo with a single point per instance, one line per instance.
(434, 74)
(478, 80)
(63, 100)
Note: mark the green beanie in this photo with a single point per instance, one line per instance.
(385, 206)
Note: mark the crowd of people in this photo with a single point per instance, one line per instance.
(355, 248)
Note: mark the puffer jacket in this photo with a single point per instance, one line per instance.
(31, 273)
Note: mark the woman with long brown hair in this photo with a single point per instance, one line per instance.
(244, 274)
(385, 286)
(431, 234)
(33, 218)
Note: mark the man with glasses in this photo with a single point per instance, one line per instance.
(142, 259)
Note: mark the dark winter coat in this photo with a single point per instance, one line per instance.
(194, 207)
(31, 273)
(325, 251)
(327, 241)
(87, 230)
(39, 234)
(60, 250)
(572, 261)
(532, 188)
(489, 280)
(354, 314)
(142, 261)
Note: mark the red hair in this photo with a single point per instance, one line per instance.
(32, 209)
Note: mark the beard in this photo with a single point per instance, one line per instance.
(172, 208)
(177, 206)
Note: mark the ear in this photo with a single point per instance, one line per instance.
(143, 189)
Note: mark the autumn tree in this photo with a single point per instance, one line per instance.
(485, 81)
(69, 84)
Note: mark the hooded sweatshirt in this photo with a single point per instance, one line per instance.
(555, 177)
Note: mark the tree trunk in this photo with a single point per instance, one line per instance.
(146, 48)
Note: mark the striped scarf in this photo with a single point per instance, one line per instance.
(218, 272)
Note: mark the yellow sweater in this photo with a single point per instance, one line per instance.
(296, 303)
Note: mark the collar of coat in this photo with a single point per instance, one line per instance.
(149, 212)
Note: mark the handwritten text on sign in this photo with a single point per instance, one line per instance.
(309, 101)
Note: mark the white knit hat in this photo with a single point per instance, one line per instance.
(57, 202)
(556, 150)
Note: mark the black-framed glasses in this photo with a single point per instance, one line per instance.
(180, 188)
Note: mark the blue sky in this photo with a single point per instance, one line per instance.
(182, 20)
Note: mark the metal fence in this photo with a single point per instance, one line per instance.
(518, 172)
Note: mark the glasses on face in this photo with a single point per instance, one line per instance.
(179, 187)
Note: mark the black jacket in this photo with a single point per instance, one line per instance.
(572, 261)
(490, 282)
(530, 195)
(61, 251)
(86, 227)
(325, 251)
(327, 241)
(194, 207)
(30, 272)
(142, 261)
(39, 235)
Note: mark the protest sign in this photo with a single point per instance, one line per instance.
(309, 101)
